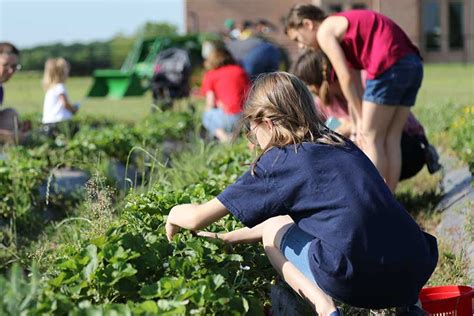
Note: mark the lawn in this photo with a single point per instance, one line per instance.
(24, 92)
(446, 88)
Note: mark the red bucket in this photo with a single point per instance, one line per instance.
(451, 300)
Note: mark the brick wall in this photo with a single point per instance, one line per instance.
(209, 15)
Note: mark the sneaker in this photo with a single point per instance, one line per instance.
(337, 312)
(432, 159)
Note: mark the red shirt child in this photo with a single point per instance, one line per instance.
(230, 84)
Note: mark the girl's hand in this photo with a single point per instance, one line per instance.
(171, 230)
(209, 235)
(193, 216)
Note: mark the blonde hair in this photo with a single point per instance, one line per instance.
(56, 70)
(285, 100)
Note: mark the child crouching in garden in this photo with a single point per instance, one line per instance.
(329, 224)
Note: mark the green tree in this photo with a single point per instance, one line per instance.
(150, 29)
(120, 46)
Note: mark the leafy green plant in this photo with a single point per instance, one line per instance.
(17, 293)
(462, 131)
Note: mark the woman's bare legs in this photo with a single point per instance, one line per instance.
(393, 146)
(273, 232)
(382, 127)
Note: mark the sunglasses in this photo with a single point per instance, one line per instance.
(251, 133)
(14, 67)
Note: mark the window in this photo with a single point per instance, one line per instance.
(359, 6)
(431, 25)
(455, 18)
(335, 8)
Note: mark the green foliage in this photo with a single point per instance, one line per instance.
(120, 46)
(151, 29)
(133, 269)
(462, 131)
(134, 261)
(20, 175)
(85, 58)
(18, 294)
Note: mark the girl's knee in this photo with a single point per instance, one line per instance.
(274, 230)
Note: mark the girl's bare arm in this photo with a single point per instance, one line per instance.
(66, 103)
(194, 216)
(243, 235)
(329, 34)
(210, 100)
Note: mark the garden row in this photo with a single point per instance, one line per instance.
(114, 258)
(131, 268)
(90, 145)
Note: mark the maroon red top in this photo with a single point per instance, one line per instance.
(229, 84)
(374, 42)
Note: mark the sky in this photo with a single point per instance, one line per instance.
(28, 23)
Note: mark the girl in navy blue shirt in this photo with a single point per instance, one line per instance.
(328, 222)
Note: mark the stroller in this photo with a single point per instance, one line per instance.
(171, 77)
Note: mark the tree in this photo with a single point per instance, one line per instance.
(150, 29)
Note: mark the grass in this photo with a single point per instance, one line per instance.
(24, 93)
(446, 90)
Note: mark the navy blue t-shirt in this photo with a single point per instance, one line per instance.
(367, 250)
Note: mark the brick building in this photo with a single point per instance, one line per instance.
(442, 29)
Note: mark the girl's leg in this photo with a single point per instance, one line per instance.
(393, 146)
(222, 135)
(272, 235)
(376, 120)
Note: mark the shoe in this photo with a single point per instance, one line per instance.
(432, 159)
(337, 312)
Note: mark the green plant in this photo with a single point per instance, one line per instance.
(17, 293)
(462, 131)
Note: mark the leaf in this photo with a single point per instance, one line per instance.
(150, 291)
(93, 263)
(218, 280)
(149, 307)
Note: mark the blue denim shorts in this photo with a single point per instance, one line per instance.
(398, 85)
(216, 118)
(295, 247)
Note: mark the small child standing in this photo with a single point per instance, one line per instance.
(56, 107)
(328, 222)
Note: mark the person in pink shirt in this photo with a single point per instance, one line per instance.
(225, 86)
(314, 69)
(366, 40)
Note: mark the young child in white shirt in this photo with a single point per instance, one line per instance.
(57, 107)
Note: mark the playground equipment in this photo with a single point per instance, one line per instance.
(137, 70)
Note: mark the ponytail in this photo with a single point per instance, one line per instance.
(324, 93)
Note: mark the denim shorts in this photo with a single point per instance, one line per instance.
(216, 118)
(295, 247)
(398, 85)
